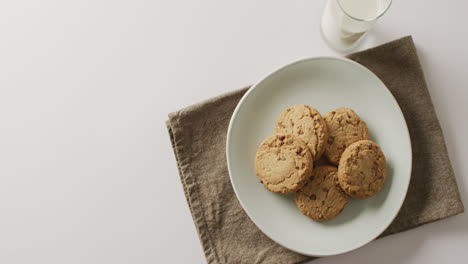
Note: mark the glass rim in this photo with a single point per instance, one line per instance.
(365, 19)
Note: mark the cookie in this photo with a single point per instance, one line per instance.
(283, 163)
(344, 128)
(306, 123)
(362, 170)
(321, 198)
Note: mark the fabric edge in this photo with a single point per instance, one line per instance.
(428, 220)
(384, 45)
(211, 100)
(208, 248)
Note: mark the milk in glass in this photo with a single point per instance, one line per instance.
(344, 22)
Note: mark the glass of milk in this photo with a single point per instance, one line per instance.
(345, 22)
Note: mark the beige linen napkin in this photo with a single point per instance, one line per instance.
(198, 136)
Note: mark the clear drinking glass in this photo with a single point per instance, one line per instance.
(345, 22)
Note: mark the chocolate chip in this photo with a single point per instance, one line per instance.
(313, 197)
(280, 137)
(298, 150)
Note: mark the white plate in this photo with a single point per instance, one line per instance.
(325, 83)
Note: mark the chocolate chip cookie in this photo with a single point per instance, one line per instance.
(362, 170)
(321, 198)
(306, 123)
(283, 163)
(344, 128)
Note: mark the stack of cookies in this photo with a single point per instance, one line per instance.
(324, 160)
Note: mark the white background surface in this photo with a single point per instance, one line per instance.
(87, 174)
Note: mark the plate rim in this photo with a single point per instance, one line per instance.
(252, 89)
